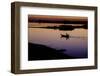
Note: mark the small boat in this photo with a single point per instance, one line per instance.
(66, 36)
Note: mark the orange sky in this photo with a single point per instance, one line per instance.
(48, 17)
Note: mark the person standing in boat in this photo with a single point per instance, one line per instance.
(67, 35)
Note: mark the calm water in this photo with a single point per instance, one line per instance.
(75, 46)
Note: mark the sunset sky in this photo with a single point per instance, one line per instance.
(47, 20)
(57, 18)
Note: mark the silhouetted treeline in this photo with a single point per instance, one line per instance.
(57, 21)
(64, 27)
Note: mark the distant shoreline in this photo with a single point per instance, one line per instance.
(63, 27)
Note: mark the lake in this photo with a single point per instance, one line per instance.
(75, 46)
